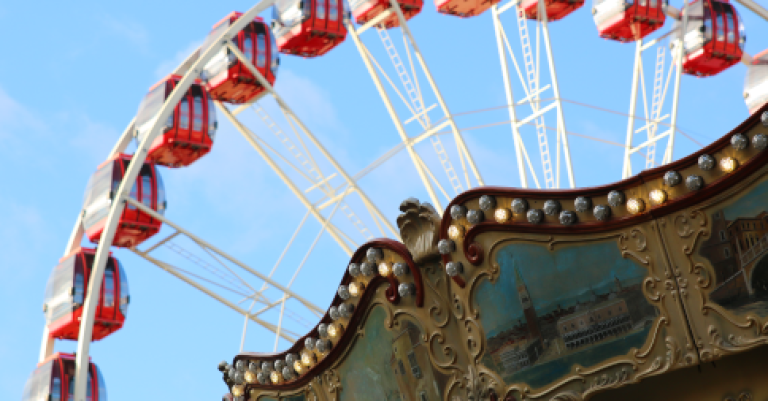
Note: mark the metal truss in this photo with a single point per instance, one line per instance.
(410, 92)
(332, 195)
(652, 115)
(530, 78)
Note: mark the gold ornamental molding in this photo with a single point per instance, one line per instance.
(514, 294)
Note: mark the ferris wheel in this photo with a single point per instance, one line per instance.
(233, 75)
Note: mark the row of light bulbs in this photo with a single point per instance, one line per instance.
(582, 204)
(293, 366)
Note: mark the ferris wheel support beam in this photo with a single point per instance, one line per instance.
(637, 68)
(659, 95)
(462, 147)
(291, 116)
(118, 205)
(755, 8)
(562, 136)
(206, 245)
(532, 88)
(499, 30)
(393, 114)
(676, 94)
(170, 269)
(248, 135)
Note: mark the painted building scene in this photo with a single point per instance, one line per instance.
(549, 310)
(391, 365)
(737, 249)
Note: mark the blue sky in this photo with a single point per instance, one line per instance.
(69, 86)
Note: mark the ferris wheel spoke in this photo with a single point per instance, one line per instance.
(170, 269)
(293, 119)
(193, 66)
(532, 86)
(653, 114)
(205, 244)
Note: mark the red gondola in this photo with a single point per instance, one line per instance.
(714, 37)
(366, 10)
(54, 380)
(628, 20)
(309, 28)
(65, 295)
(188, 134)
(135, 226)
(464, 8)
(756, 84)
(556, 9)
(229, 80)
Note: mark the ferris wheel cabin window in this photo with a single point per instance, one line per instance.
(261, 49)
(149, 108)
(124, 292)
(101, 384)
(79, 288)
(109, 287)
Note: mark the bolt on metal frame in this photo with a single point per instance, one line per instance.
(531, 82)
(414, 102)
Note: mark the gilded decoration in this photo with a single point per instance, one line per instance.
(655, 287)
(720, 246)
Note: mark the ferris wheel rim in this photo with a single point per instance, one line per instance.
(125, 138)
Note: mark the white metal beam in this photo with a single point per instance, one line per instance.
(207, 245)
(131, 173)
(292, 117)
(170, 269)
(755, 8)
(393, 114)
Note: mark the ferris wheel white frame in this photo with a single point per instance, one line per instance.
(191, 69)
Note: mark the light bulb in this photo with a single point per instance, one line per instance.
(728, 164)
(250, 376)
(635, 205)
(502, 215)
(334, 330)
(298, 367)
(658, 196)
(307, 358)
(275, 377)
(384, 269)
(355, 289)
(455, 232)
(238, 390)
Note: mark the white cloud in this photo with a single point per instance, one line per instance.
(94, 139)
(14, 115)
(167, 66)
(132, 31)
(307, 99)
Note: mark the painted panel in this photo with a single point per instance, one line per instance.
(389, 364)
(724, 247)
(549, 311)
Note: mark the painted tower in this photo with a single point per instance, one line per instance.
(619, 287)
(529, 312)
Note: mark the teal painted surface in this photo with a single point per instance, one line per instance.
(751, 204)
(366, 372)
(561, 285)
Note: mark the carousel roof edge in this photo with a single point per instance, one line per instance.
(748, 158)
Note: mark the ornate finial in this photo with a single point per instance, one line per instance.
(419, 227)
